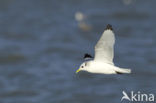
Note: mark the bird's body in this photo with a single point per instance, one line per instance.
(100, 67)
(104, 54)
(103, 68)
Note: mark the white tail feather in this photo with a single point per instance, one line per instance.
(123, 70)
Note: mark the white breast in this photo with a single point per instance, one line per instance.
(100, 67)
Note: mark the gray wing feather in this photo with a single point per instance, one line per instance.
(104, 49)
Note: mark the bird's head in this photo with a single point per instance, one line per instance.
(83, 67)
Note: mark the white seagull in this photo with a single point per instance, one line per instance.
(104, 53)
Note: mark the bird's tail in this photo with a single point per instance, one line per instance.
(122, 70)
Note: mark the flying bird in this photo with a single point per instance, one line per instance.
(104, 53)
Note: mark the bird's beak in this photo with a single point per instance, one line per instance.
(77, 70)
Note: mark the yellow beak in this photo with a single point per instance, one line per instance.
(77, 70)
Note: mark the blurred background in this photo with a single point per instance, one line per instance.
(42, 43)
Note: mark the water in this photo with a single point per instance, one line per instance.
(42, 45)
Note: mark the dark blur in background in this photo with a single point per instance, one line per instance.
(42, 43)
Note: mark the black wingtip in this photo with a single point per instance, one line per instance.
(87, 56)
(118, 72)
(109, 27)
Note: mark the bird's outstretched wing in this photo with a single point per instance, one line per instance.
(104, 49)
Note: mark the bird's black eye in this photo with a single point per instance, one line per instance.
(81, 66)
